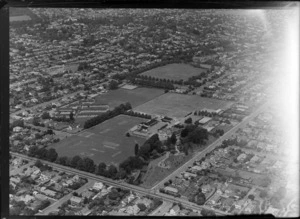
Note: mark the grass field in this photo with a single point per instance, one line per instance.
(179, 105)
(174, 72)
(105, 142)
(155, 173)
(136, 96)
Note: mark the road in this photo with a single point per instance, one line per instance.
(57, 204)
(212, 146)
(123, 185)
(154, 191)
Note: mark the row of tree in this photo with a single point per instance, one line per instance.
(205, 113)
(43, 153)
(107, 115)
(137, 114)
(157, 84)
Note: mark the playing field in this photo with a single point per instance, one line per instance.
(174, 72)
(105, 142)
(179, 105)
(136, 96)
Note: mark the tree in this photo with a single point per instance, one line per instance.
(44, 204)
(251, 197)
(142, 206)
(184, 132)
(173, 138)
(263, 194)
(71, 116)
(101, 170)
(45, 115)
(136, 149)
(188, 121)
(144, 150)
(35, 121)
(206, 212)
(38, 164)
(51, 155)
(112, 171)
(113, 85)
(121, 174)
(49, 132)
(33, 151)
(89, 165)
(63, 160)
(74, 161)
(16, 123)
(200, 199)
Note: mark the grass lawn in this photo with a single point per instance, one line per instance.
(179, 105)
(155, 174)
(135, 97)
(174, 72)
(105, 142)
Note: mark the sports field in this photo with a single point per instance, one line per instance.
(136, 96)
(174, 72)
(179, 105)
(105, 142)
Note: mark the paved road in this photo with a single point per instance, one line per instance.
(123, 185)
(212, 146)
(153, 192)
(57, 204)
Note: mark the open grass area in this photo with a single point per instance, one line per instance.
(105, 142)
(155, 174)
(174, 72)
(179, 105)
(136, 96)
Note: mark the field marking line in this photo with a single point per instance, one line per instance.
(119, 152)
(107, 146)
(78, 143)
(105, 131)
(89, 135)
(111, 144)
(94, 149)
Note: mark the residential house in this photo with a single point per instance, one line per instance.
(15, 180)
(75, 200)
(27, 199)
(44, 177)
(133, 210)
(214, 199)
(206, 188)
(241, 157)
(17, 129)
(36, 174)
(171, 190)
(147, 202)
(239, 204)
(98, 186)
(175, 210)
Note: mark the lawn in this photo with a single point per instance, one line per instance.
(105, 142)
(179, 105)
(174, 72)
(135, 97)
(155, 174)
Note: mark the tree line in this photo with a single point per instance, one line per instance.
(107, 115)
(157, 84)
(137, 114)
